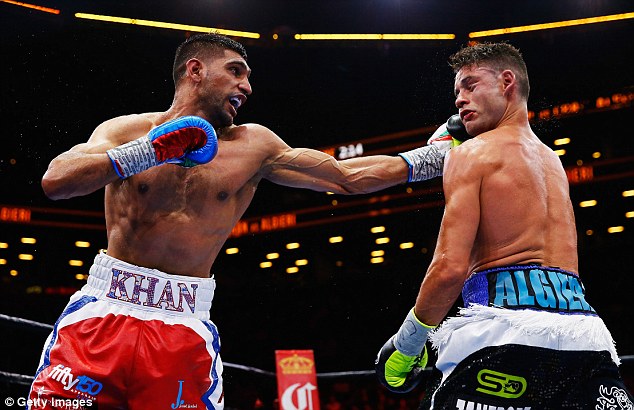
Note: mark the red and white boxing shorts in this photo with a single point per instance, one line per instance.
(132, 338)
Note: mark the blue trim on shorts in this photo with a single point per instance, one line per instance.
(72, 308)
(214, 371)
(527, 287)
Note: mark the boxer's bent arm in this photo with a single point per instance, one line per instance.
(86, 167)
(451, 262)
(316, 170)
(80, 171)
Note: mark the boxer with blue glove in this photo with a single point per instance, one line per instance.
(187, 141)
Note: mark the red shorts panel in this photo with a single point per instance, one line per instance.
(122, 361)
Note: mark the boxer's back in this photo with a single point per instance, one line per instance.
(526, 215)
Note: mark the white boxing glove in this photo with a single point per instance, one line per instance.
(427, 162)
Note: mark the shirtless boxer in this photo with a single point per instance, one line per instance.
(138, 335)
(527, 337)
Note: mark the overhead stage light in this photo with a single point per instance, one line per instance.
(375, 36)
(546, 26)
(32, 6)
(172, 26)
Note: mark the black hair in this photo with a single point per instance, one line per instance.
(199, 44)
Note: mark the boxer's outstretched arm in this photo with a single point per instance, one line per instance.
(306, 168)
(316, 170)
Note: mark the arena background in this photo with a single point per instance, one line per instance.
(62, 75)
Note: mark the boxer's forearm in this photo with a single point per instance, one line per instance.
(75, 173)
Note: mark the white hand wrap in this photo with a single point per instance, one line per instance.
(424, 163)
(133, 157)
(412, 335)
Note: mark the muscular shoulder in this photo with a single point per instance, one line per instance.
(466, 158)
(255, 135)
(125, 128)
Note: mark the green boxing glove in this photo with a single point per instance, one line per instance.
(402, 359)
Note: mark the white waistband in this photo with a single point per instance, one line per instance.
(147, 289)
(480, 326)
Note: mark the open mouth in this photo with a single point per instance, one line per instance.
(235, 102)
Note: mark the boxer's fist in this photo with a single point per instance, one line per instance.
(427, 162)
(186, 141)
(457, 130)
(449, 135)
(399, 373)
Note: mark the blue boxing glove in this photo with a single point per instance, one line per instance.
(186, 141)
(402, 359)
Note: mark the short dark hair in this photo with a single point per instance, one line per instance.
(500, 56)
(199, 44)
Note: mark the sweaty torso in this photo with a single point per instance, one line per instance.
(526, 215)
(177, 219)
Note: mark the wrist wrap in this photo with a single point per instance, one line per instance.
(133, 157)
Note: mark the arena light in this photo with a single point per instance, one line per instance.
(375, 254)
(406, 245)
(365, 37)
(75, 262)
(627, 215)
(292, 269)
(32, 6)
(13, 272)
(377, 229)
(265, 265)
(4, 245)
(629, 192)
(273, 255)
(171, 26)
(562, 141)
(3, 261)
(380, 241)
(335, 239)
(292, 245)
(25, 257)
(616, 229)
(376, 260)
(547, 26)
(29, 241)
(587, 204)
(232, 251)
(82, 244)
(301, 262)
(80, 276)
(560, 152)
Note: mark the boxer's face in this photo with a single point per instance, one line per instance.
(480, 98)
(225, 86)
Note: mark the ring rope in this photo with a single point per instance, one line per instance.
(33, 325)
(37, 326)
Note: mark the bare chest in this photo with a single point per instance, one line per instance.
(205, 188)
